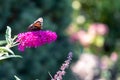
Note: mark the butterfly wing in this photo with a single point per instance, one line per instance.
(37, 25)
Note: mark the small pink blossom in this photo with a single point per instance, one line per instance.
(84, 38)
(114, 56)
(35, 39)
(98, 28)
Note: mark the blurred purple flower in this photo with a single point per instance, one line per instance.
(61, 72)
(35, 39)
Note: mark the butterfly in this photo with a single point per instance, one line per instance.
(37, 25)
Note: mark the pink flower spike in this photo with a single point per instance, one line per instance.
(35, 39)
(61, 72)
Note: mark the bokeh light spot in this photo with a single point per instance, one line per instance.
(76, 5)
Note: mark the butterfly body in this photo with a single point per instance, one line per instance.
(37, 25)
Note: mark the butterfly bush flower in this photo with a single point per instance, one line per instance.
(61, 72)
(35, 39)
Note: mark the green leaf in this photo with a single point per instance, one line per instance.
(17, 78)
(3, 53)
(2, 42)
(9, 56)
(14, 37)
(8, 35)
(50, 75)
(6, 49)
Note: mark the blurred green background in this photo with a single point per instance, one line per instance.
(65, 17)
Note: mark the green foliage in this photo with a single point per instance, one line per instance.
(2, 42)
(8, 35)
(36, 62)
(5, 50)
